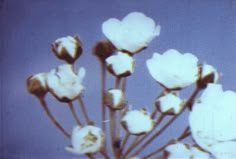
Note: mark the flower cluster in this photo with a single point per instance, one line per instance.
(210, 114)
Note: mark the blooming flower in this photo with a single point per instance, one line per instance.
(133, 33)
(184, 151)
(67, 48)
(211, 121)
(115, 99)
(121, 64)
(36, 84)
(173, 70)
(169, 104)
(64, 83)
(142, 123)
(86, 140)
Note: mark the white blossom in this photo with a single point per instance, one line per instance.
(115, 99)
(86, 140)
(208, 70)
(132, 33)
(173, 70)
(211, 120)
(169, 104)
(64, 83)
(67, 48)
(137, 122)
(183, 151)
(120, 64)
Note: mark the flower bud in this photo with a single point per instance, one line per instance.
(137, 122)
(103, 49)
(169, 104)
(120, 65)
(67, 48)
(86, 140)
(115, 99)
(36, 84)
(208, 75)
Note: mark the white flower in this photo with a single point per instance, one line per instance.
(86, 140)
(172, 69)
(67, 48)
(120, 64)
(115, 99)
(184, 151)
(137, 122)
(211, 120)
(36, 84)
(178, 151)
(64, 83)
(133, 33)
(209, 74)
(169, 104)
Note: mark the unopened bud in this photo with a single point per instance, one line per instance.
(36, 84)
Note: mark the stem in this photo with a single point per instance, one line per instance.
(54, 121)
(103, 152)
(74, 114)
(123, 84)
(187, 104)
(103, 81)
(113, 132)
(90, 156)
(183, 135)
(82, 106)
(127, 135)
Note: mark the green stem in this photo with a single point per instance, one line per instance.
(51, 117)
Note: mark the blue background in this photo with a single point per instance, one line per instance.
(205, 28)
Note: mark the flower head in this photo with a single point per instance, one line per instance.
(208, 75)
(216, 109)
(183, 151)
(173, 70)
(115, 99)
(86, 140)
(132, 34)
(36, 84)
(143, 122)
(67, 48)
(121, 64)
(64, 83)
(169, 104)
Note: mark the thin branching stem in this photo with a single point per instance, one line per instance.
(183, 135)
(82, 106)
(187, 104)
(70, 104)
(51, 117)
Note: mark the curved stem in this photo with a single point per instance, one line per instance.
(74, 113)
(82, 106)
(51, 117)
